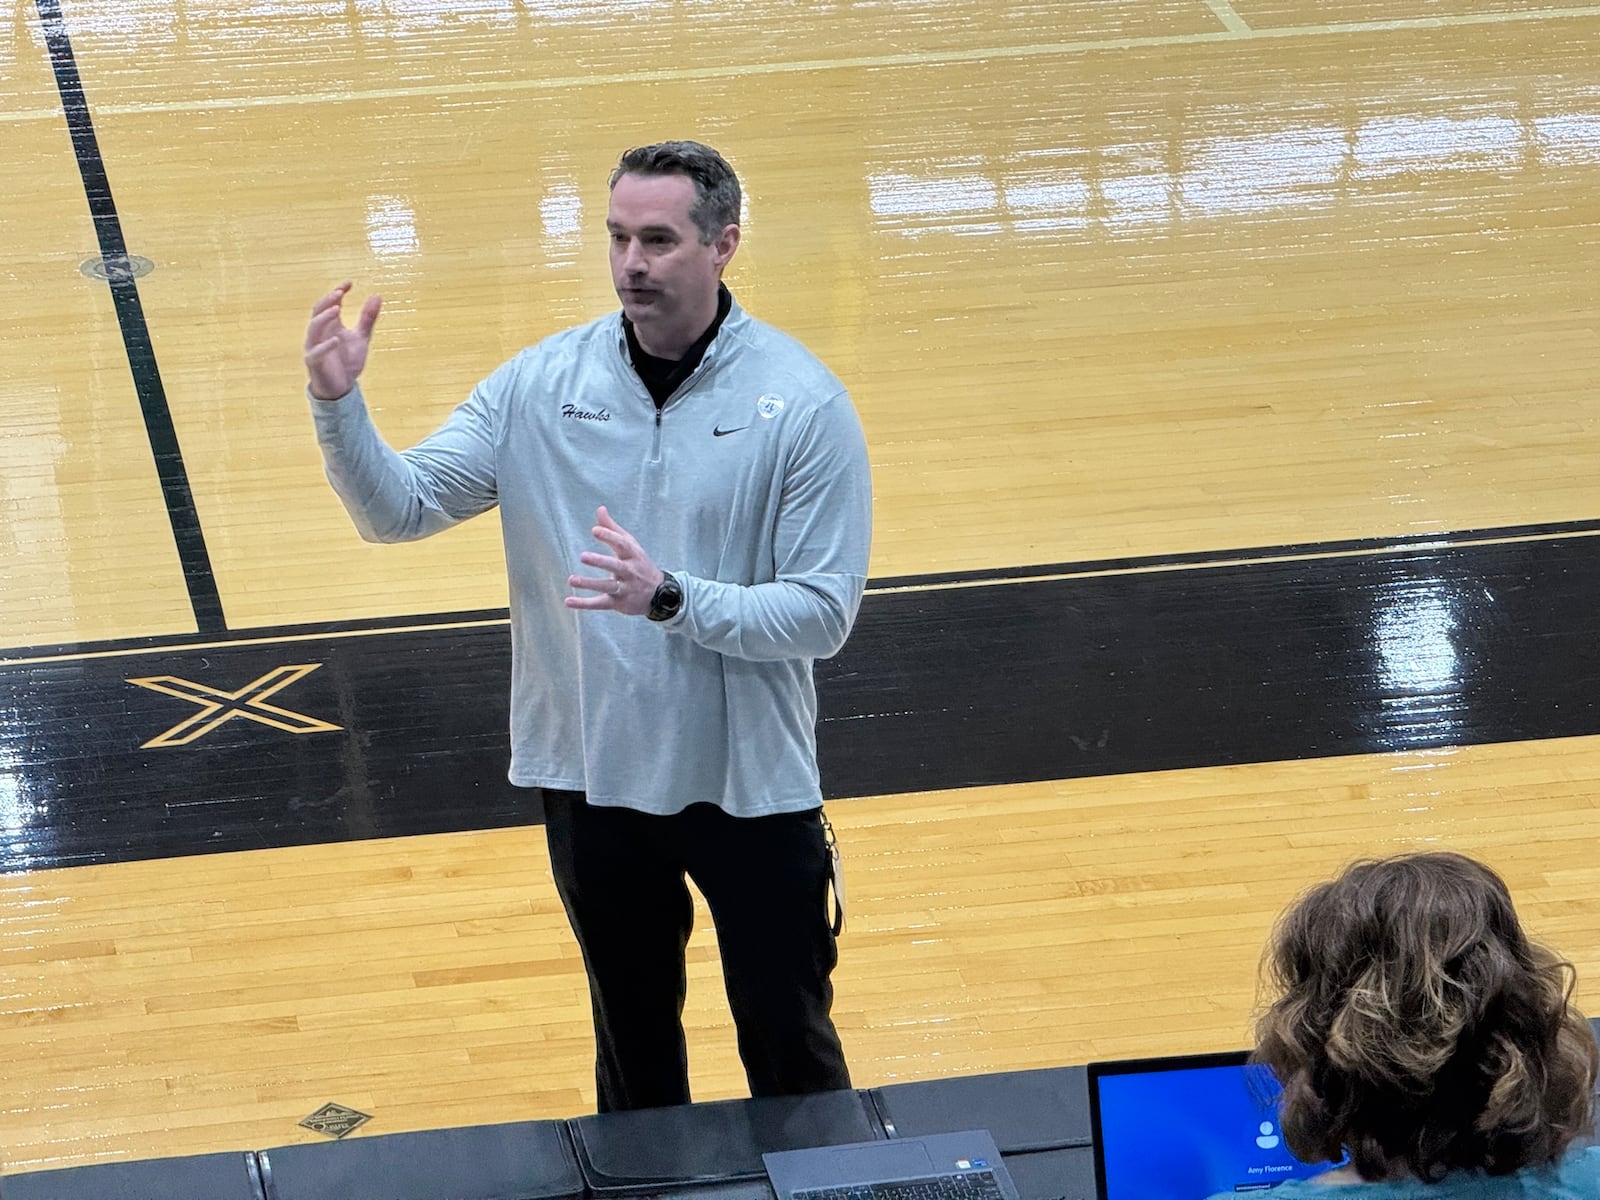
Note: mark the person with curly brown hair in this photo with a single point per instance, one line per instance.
(1424, 1041)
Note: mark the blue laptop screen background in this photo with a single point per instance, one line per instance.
(1189, 1134)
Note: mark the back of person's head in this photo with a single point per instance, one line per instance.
(716, 187)
(1418, 1028)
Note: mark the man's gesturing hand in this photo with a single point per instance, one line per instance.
(631, 578)
(335, 354)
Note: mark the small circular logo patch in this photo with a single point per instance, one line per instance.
(769, 406)
(119, 268)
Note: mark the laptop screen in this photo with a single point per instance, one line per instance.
(1185, 1128)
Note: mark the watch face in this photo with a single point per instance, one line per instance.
(668, 598)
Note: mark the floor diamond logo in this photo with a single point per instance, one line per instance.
(335, 1120)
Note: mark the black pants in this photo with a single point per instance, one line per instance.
(621, 874)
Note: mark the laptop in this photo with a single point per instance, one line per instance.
(939, 1166)
(1187, 1127)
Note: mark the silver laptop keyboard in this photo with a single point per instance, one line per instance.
(969, 1185)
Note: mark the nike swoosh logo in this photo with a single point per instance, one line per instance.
(719, 431)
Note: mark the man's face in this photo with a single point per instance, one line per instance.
(665, 276)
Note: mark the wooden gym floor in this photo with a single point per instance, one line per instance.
(1231, 372)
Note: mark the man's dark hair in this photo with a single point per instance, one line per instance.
(716, 187)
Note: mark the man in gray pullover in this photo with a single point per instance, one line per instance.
(687, 513)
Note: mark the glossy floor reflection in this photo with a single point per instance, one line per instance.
(1135, 280)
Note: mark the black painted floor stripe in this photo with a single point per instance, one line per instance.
(167, 753)
(185, 521)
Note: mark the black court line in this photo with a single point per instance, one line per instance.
(204, 598)
(1203, 558)
(1210, 559)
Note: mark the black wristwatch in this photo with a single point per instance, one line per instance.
(664, 605)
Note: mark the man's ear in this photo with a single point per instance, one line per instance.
(727, 242)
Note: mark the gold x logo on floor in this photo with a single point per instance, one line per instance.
(217, 706)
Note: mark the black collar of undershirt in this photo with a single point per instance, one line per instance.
(663, 376)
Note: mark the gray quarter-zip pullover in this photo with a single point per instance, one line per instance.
(751, 485)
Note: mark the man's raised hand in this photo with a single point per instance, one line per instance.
(335, 355)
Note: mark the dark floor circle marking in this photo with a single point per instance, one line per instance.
(118, 268)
